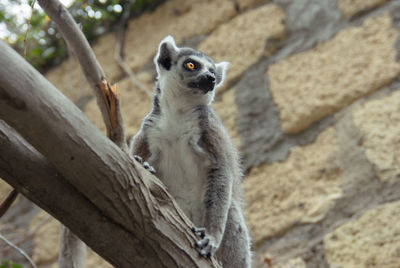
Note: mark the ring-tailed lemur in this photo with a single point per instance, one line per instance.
(186, 143)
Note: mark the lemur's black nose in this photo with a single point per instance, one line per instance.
(205, 82)
(211, 77)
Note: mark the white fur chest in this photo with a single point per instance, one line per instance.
(180, 163)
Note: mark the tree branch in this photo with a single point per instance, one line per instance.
(106, 97)
(18, 249)
(120, 188)
(46, 187)
(72, 250)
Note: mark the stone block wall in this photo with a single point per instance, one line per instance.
(313, 103)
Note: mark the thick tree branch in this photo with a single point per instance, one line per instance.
(106, 97)
(31, 174)
(120, 188)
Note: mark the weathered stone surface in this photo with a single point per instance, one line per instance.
(300, 190)
(378, 121)
(104, 50)
(311, 85)
(372, 240)
(244, 45)
(291, 205)
(293, 263)
(226, 108)
(182, 19)
(245, 4)
(308, 23)
(68, 77)
(352, 7)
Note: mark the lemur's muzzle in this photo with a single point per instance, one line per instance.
(205, 83)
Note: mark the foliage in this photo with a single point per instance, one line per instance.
(9, 264)
(45, 46)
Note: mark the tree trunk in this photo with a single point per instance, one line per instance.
(140, 214)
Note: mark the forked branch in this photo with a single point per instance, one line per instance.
(157, 233)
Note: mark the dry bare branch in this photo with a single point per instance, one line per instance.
(90, 66)
(5, 240)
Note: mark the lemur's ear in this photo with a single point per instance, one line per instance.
(167, 51)
(222, 67)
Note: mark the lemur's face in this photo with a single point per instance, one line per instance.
(188, 69)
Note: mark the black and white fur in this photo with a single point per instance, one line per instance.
(186, 143)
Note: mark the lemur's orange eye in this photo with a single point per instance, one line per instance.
(190, 65)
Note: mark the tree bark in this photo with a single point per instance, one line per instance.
(157, 232)
(24, 168)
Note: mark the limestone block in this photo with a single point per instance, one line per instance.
(311, 85)
(378, 121)
(293, 263)
(180, 18)
(300, 190)
(68, 77)
(352, 7)
(245, 4)
(371, 240)
(226, 108)
(242, 40)
(135, 104)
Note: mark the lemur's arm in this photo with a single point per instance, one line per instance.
(219, 186)
(138, 148)
(138, 145)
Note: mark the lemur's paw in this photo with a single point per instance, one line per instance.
(199, 231)
(145, 164)
(138, 158)
(207, 243)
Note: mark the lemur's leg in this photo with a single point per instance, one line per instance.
(138, 148)
(217, 202)
(234, 251)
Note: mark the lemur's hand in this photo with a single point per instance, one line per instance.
(207, 244)
(145, 164)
